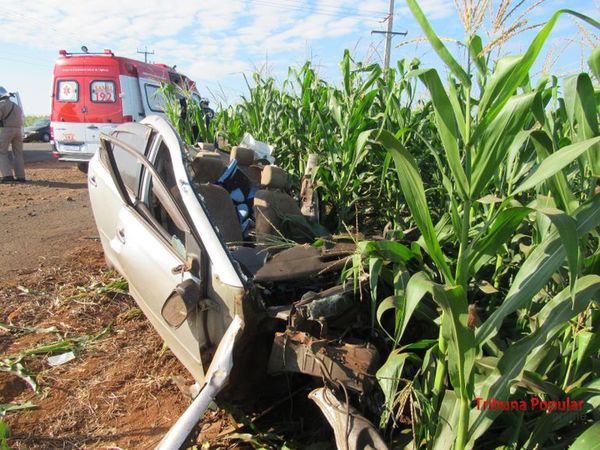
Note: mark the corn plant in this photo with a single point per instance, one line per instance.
(306, 115)
(189, 120)
(509, 166)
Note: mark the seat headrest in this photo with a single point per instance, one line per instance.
(273, 177)
(208, 167)
(243, 155)
(205, 146)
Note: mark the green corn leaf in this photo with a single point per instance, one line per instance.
(13, 407)
(447, 127)
(537, 269)
(346, 74)
(594, 62)
(589, 440)
(556, 162)
(515, 71)
(414, 194)
(392, 251)
(580, 103)
(457, 108)
(4, 434)
(374, 72)
(501, 230)
(475, 50)
(445, 432)
(558, 183)
(552, 319)
(588, 344)
(14, 366)
(492, 145)
(388, 304)
(375, 265)
(567, 230)
(415, 291)
(437, 44)
(336, 110)
(388, 377)
(505, 66)
(419, 345)
(360, 151)
(460, 338)
(513, 156)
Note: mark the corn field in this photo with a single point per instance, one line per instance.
(486, 192)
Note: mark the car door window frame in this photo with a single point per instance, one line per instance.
(161, 191)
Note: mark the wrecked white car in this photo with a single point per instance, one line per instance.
(194, 233)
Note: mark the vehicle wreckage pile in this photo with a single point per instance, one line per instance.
(318, 325)
(226, 216)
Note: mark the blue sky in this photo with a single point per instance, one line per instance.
(215, 42)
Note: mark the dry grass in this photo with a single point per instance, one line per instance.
(118, 390)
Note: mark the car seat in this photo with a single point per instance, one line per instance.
(276, 213)
(208, 167)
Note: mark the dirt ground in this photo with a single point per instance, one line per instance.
(55, 289)
(41, 220)
(121, 389)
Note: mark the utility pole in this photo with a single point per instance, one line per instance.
(388, 38)
(146, 52)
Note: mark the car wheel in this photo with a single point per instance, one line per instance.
(46, 137)
(83, 167)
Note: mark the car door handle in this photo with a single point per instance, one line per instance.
(93, 181)
(121, 235)
(92, 127)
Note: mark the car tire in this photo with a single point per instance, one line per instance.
(83, 166)
(46, 137)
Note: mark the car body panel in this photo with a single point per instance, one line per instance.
(148, 263)
(145, 257)
(102, 191)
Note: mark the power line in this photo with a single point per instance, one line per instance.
(337, 10)
(24, 60)
(21, 16)
(314, 10)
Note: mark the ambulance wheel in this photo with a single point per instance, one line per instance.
(83, 167)
(46, 137)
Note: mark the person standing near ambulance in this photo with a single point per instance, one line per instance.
(11, 133)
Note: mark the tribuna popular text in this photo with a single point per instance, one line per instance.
(534, 404)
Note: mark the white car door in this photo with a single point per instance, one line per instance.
(155, 247)
(104, 195)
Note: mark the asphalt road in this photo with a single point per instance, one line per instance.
(37, 151)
